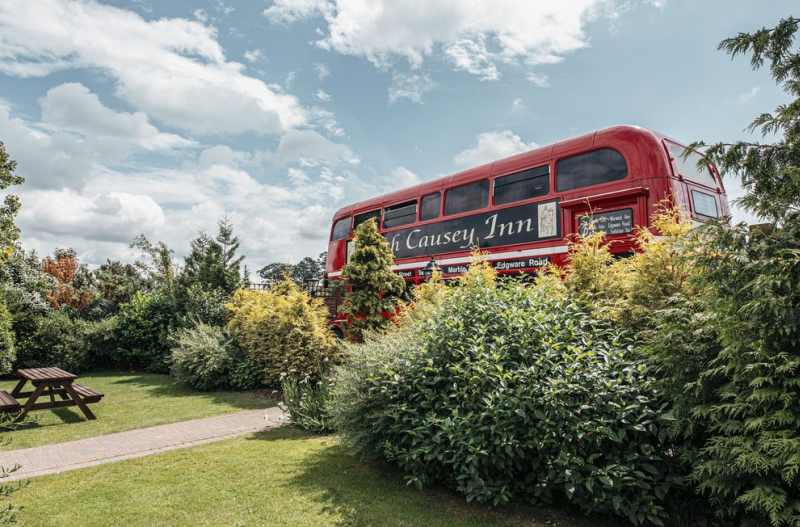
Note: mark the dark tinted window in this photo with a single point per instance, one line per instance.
(429, 208)
(705, 204)
(591, 168)
(522, 185)
(341, 229)
(467, 197)
(361, 218)
(401, 214)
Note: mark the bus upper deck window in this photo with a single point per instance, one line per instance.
(401, 214)
(429, 208)
(361, 218)
(591, 168)
(467, 197)
(688, 166)
(522, 185)
(341, 229)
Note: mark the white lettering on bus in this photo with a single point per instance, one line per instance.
(506, 228)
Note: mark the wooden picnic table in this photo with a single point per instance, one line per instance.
(52, 382)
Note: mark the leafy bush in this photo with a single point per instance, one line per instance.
(59, 340)
(307, 403)
(8, 352)
(200, 304)
(505, 393)
(201, 357)
(284, 331)
(143, 328)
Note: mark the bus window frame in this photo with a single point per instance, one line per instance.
(416, 201)
(558, 159)
(489, 180)
(349, 229)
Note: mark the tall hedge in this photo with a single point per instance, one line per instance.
(505, 393)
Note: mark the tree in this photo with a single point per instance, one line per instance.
(212, 263)
(275, 271)
(160, 268)
(375, 288)
(116, 283)
(9, 232)
(770, 172)
(73, 281)
(306, 270)
(749, 465)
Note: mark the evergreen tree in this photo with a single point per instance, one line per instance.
(770, 172)
(9, 232)
(376, 289)
(161, 269)
(749, 465)
(212, 263)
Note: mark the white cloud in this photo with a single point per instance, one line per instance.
(749, 95)
(491, 146)
(322, 71)
(323, 96)
(537, 79)
(474, 34)
(401, 178)
(471, 55)
(73, 107)
(517, 105)
(288, 11)
(201, 15)
(253, 55)
(309, 148)
(110, 217)
(411, 86)
(172, 69)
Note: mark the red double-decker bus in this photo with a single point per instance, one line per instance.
(522, 210)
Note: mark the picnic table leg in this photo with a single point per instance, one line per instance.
(77, 398)
(31, 400)
(18, 388)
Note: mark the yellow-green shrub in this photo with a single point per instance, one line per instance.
(283, 330)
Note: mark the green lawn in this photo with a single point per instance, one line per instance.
(281, 477)
(132, 400)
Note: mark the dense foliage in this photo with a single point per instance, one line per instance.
(144, 326)
(284, 331)
(506, 393)
(8, 353)
(9, 232)
(306, 401)
(202, 357)
(375, 287)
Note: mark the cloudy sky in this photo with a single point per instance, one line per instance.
(153, 117)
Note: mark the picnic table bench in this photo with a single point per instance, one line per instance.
(52, 382)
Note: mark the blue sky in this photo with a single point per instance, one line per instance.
(140, 116)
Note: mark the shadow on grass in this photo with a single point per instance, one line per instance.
(374, 493)
(162, 385)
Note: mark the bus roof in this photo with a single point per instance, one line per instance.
(517, 161)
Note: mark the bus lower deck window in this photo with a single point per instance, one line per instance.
(467, 197)
(705, 204)
(591, 168)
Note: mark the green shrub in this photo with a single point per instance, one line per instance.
(505, 393)
(284, 331)
(59, 340)
(201, 357)
(200, 304)
(144, 326)
(307, 404)
(8, 353)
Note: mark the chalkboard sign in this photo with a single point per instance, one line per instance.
(611, 222)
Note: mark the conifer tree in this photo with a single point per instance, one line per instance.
(376, 289)
(9, 232)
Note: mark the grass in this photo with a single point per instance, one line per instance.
(276, 478)
(132, 400)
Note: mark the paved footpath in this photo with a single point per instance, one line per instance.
(61, 457)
